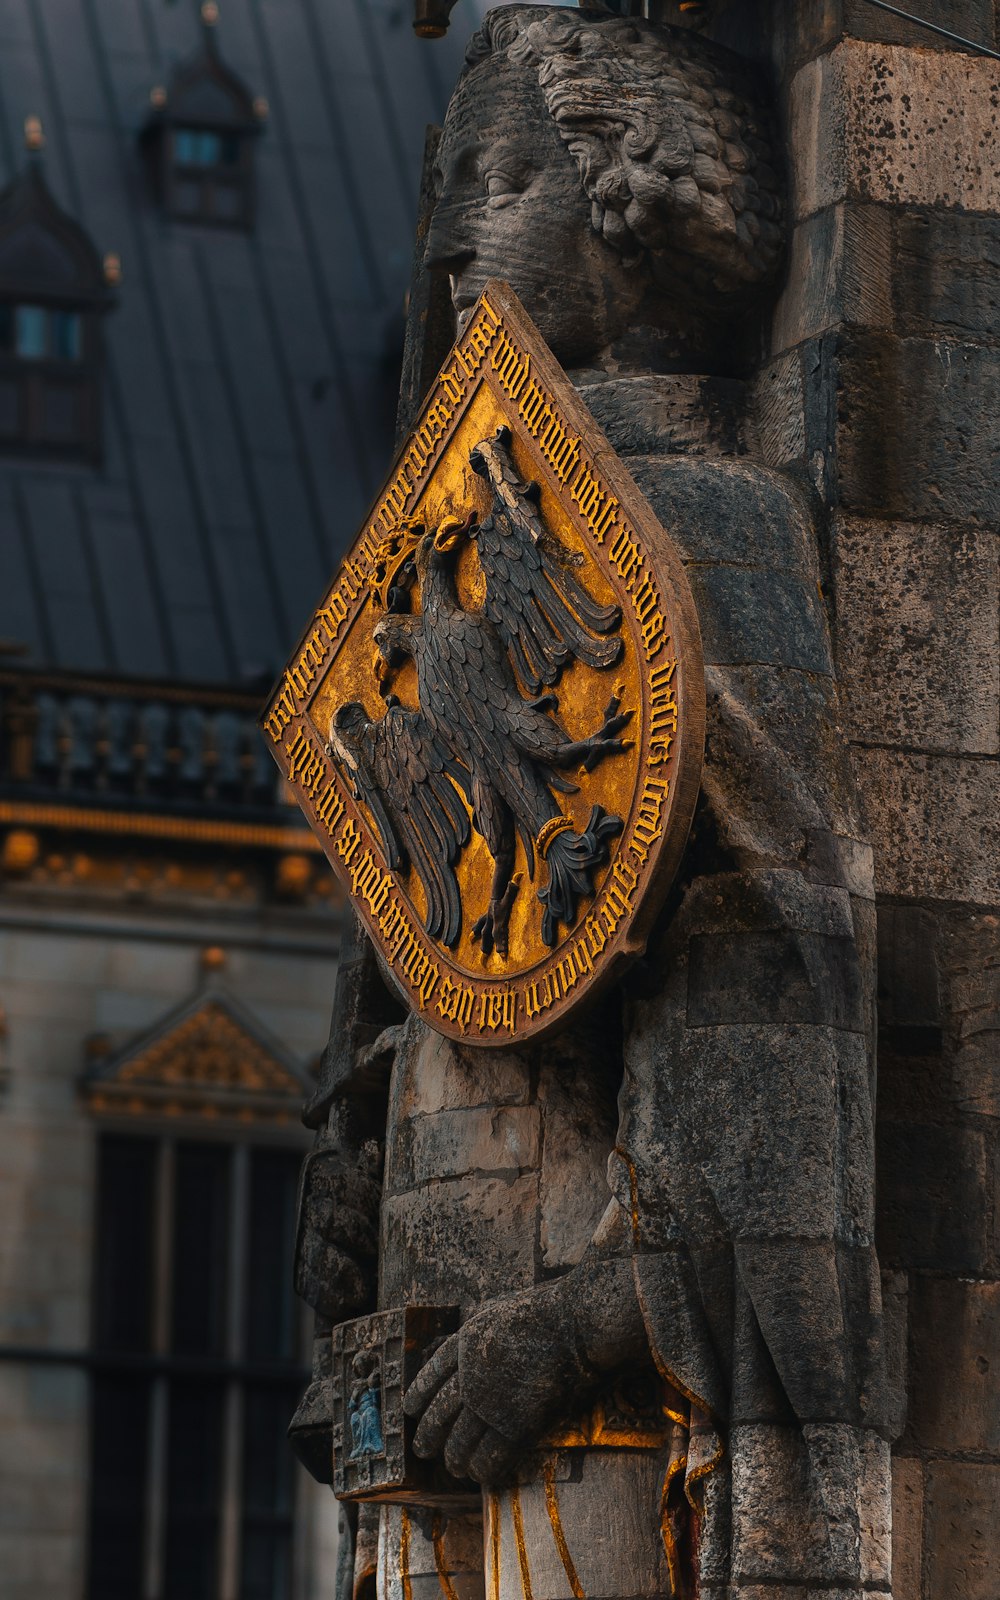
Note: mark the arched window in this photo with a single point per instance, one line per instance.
(200, 139)
(54, 289)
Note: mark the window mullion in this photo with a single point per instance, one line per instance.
(232, 1463)
(164, 1248)
(232, 1452)
(156, 1493)
(156, 1487)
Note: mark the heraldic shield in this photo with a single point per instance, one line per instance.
(494, 723)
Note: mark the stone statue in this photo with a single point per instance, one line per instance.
(659, 1228)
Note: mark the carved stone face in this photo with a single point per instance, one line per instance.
(511, 206)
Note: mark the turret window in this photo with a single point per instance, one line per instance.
(199, 140)
(54, 289)
(35, 334)
(197, 147)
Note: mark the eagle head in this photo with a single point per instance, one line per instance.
(346, 726)
(439, 546)
(392, 637)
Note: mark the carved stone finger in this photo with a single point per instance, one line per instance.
(437, 1419)
(462, 1441)
(492, 1459)
(431, 1376)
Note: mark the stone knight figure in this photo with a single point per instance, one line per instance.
(659, 1226)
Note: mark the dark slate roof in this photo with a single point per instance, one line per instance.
(43, 252)
(247, 412)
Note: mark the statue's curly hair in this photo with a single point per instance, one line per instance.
(674, 155)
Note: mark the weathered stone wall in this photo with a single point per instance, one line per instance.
(882, 389)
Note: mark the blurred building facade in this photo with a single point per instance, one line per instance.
(205, 240)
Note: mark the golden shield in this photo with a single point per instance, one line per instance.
(494, 723)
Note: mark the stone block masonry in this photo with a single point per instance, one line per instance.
(882, 393)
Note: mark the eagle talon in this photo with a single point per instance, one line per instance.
(491, 928)
(606, 747)
(604, 742)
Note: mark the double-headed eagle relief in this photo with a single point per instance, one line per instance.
(494, 721)
(485, 737)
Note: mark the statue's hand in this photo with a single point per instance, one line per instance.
(489, 1391)
(336, 1251)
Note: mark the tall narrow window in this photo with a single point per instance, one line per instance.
(120, 1397)
(196, 1371)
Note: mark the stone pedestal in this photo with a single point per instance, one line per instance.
(427, 1555)
(588, 1524)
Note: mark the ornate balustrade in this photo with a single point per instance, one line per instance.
(96, 740)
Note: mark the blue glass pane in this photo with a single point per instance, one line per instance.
(195, 147)
(66, 335)
(31, 331)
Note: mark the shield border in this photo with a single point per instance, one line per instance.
(501, 347)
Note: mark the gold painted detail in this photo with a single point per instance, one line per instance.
(452, 389)
(677, 1464)
(391, 557)
(205, 1064)
(501, 428)
(404, 1554)
(547, 833)
(441, 1558)
(517, 1519)
(211, 1049)
(552, 1506)
(195, 830)
(193, 1107)
(21, 850)
(493, 1535)
(629, 1417)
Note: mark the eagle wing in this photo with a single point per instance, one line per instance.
(406, 777)
(544, 615)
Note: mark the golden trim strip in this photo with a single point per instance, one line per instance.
(195, 829)
(444, 1576)
(552, 1506)
(678, 1464)
(548, 831)
(493, 1514)
(404, 1553)
(517, 1518)
(140, 691)
(701, 1472)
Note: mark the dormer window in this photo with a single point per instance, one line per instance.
(35, 334)
(200, 139)
(54, 290)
